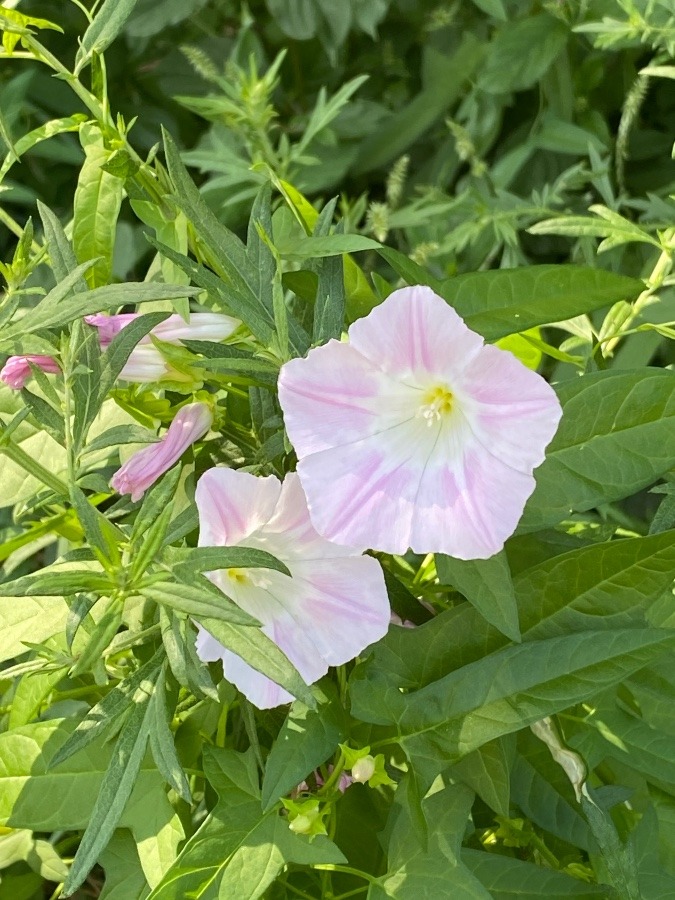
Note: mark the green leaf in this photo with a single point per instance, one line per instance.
(30, 694)
(102, 535)
(37, 135)
(486, 583)
(505, 301)
(124, 878)
(162, 739)
(195, 596)
(178, 637)
(116, 788)
(32, 619)
(507, 879)
(238, 851)
(522, 52)
(121, 434)
(615, 229)
(208, 559)
(98, 198)
(306, 740)
(487, 771)
(32, 796)
(52, 582)
(494, 8)
(61, 254)
(54, 311)
(260, 653)
(410, 271)
(102, 31)
(504, 691)
(313, 247)
(607, 585)
(415, 873)
(614, 439)
(542, 791)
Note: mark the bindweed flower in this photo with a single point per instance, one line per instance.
(416, 434)
(17, 370)
(334, 605)
(146, 363)
(141, 470)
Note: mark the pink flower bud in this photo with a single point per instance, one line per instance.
(16, 371)
(146, 363)
(344, 782)
(145, 467)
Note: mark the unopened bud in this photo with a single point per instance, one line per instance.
(363, 769)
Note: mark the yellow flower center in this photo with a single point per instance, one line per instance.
(437, 402)
(239, 576)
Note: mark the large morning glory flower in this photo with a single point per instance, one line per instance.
(415, 433)
(334, 605)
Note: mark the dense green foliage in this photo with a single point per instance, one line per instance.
(291, 162)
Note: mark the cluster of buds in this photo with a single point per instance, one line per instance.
(307, 814)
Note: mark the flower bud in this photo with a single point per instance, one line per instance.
(16, 371)
(144, 468)
(146, 363)
(363, 769)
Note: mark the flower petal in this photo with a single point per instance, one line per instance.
(336, 395)
(415, 334)
(232, 505)
(363, 494)
(513, 412)
(334, 605)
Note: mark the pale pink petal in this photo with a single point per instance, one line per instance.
(415, 334)
(232, 505)
(337, 394)
(513, 412)
(201, 327)
(363, 495)
(468, 509)
(334, 605)
(145, 364)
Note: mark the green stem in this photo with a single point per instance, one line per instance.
(33, 467)
(347, 870)
(662, 268)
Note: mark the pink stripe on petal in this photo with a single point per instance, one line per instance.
(415, 333)
(232, 505)
(333, 391)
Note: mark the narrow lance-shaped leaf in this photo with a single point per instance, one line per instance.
(102, 31)
(162, 739)
(116, 787)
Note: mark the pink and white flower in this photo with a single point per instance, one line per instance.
(141, 470)
(17, 370)
(334, 605)
(146, 363)
(416, 434)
